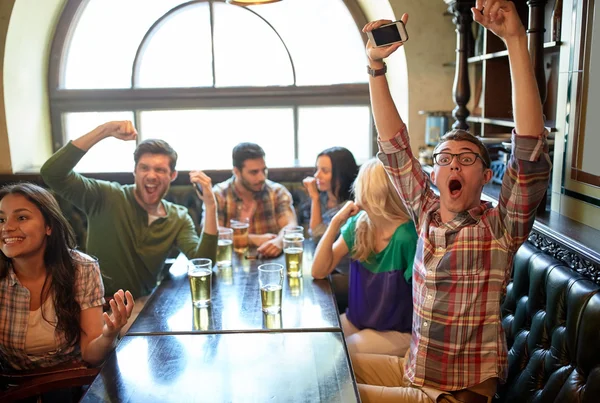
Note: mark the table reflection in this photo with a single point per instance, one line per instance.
(261, 367)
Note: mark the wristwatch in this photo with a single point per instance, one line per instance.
(378, 72)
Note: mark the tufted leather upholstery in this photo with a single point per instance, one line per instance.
(551, 317)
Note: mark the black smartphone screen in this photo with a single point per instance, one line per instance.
(387, 34)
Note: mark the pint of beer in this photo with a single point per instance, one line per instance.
(293, 248)
(224, 247)
(240, 235)
(270, 281)
(200, 276)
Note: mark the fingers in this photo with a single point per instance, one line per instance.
(404, 18)
(130, 303)
(376, 24)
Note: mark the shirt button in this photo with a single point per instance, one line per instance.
(430, 272)
(440, 249)
(425, 324)
(429, 296)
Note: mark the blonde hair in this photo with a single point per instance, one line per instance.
(374, 192)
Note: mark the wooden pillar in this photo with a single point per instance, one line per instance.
(461, 90)
(535, 35)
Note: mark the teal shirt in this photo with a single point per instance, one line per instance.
(399, 254)
(131, 253)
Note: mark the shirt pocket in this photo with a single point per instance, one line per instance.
(468, 253)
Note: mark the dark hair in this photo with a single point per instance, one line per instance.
(57, 259)
(343, 171)
(246, 151)
(156, 146)
(462, 135)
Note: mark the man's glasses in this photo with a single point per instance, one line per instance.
(466, 158)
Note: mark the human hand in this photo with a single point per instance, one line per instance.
(271, 248)
(120, 313)
(350, 209)
(207, 196)
(310, 184)
(122, 129)
(259, 239)
(500, 17)
(374, 53)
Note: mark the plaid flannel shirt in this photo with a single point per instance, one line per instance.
(14, 316)
(273, 202)
(462, 267)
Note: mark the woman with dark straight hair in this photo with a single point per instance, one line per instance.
(331, 186)
(51, 295)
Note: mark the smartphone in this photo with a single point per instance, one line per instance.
(388, 34)
(199, 188)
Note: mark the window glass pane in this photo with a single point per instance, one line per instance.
(204, 138)
(324, 41)
(323, 127)
(179, 52)
(105, 40)
(110, 154)
(248, 51)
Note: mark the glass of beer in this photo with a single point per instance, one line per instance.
(293, 248)
(240, 235)
(270, 280)
(200, 276)
(224, 247)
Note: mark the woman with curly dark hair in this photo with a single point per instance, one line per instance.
(51, 294)
(330, 187)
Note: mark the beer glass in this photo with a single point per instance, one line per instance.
(224, 247)
(293, 248)
(270, 280)
(240, 235)
(200, 276)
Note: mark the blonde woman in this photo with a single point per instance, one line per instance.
(381, 241)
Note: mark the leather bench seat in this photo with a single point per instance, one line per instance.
(551, 317)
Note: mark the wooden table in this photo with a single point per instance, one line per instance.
(249, 367)
(308, 304)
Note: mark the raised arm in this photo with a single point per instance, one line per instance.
(386, 116)
(330, 251)
(500, 17)
(58, 172)
(528, 170)
(209, 201)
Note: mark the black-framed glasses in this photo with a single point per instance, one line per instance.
(467, 158)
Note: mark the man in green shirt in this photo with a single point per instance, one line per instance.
(131, 229)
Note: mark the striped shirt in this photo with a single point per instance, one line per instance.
(462, 266)
(273, 202)
(14, 316)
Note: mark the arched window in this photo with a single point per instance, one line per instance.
(205, 75)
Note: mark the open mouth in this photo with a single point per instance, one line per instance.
(151, 189)
(455, 187)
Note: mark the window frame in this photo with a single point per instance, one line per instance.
(63, 101)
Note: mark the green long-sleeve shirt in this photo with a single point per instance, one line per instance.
(131, 253)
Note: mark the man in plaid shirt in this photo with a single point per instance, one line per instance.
(249, 195)
(466, 247)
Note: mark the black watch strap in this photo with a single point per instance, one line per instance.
(378, 72)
